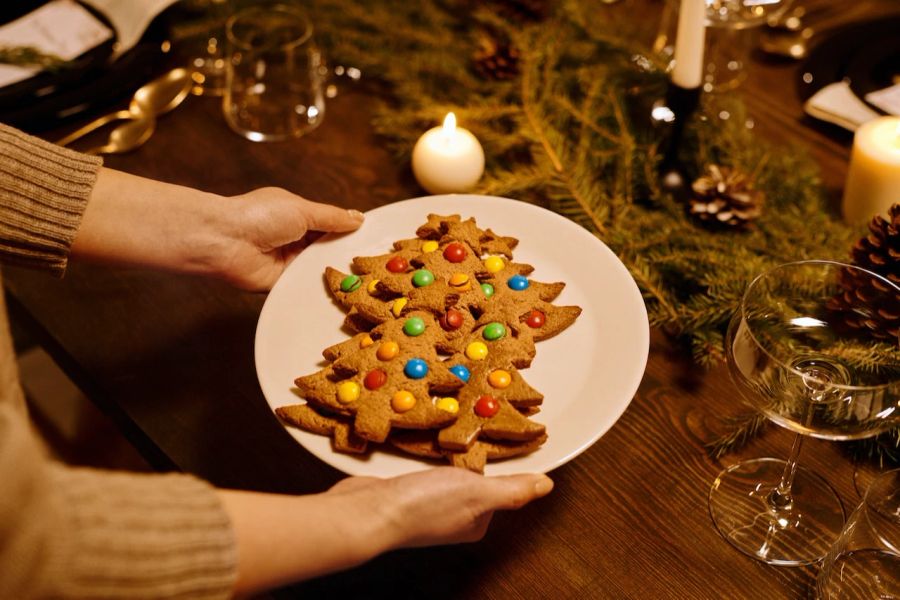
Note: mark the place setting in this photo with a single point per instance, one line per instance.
(595, 245)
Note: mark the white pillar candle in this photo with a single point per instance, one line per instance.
(873, 180)
(447, 159)
(689, 40)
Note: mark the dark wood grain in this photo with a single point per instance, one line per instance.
(170, 358)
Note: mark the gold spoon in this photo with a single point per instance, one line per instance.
(152, 99)
(127, 136)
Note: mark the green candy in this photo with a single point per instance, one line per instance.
(350, 283)
(488, 289)
(414, 326)
(422, 277)
(493, 331)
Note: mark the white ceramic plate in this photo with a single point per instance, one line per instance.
(588, 373)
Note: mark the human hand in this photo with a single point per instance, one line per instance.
(265, 230)
(445, 505)
(246, 240)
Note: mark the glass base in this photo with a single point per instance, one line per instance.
(798, 534)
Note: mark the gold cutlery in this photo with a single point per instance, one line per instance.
(152, 99)
(127, 136)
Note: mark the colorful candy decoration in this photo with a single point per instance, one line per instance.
(372, 288)
(347, 392)
(403, 401)
(477, 351)
(366, 341)
(517, 283)
(494, 264)
(535, 319)
(422, 277)
(451, 320)
(455, 252)
(397, 264)
(493, 331)
(499, 379)
(375, 379)
(397, 306)
(415, 368)
(450, 405)
(462, 372)
(487, 289)
(350, 283)
(429, 246)
(486, 406)
(414, 326)
(460, 281)
(387, 350)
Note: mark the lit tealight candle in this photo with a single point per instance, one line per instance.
(873, 181)
(448, 159)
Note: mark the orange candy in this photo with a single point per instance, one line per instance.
(499, 379)
(403, 401)
(387, 350)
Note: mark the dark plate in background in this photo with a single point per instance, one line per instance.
(87, 83)
(867, 54)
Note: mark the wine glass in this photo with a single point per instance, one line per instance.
(865, 560)
(814, 349)
(727, 44)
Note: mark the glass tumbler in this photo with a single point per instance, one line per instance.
(865, 560)
(274, 74)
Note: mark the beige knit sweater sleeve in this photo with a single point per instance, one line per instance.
(81, 533)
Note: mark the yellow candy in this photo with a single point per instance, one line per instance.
(398, 305)
(499, 379)
(372, 288)
(429, 246)
(348, 392)
(450, 405)
(461, 282)
(494, 264)
(403, 401)
(366, 342)
(387, 350)
(476, 350)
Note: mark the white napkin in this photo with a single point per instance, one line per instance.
(836, 103)
(130, 18)
(61, 27)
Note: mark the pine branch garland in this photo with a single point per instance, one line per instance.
(571, 132)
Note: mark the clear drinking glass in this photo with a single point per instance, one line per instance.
(803, 350)
(273, 79)
(865, 561)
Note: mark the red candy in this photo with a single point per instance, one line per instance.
(535, 319)
(486, 406)
(450, 320)
(397, 264)
(455, 252)
(375, 379)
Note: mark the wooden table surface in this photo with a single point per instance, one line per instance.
(170, 358)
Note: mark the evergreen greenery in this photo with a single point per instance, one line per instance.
(28, 56)
(572, 133)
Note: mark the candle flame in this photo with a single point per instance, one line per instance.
(449, 123)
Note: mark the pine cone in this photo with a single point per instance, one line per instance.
(725, 196)
(864, 302)
(496, 60)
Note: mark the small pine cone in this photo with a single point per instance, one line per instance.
(725, 196)
(870, 304)
(496, 60)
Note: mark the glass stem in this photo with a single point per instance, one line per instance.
(781, 498)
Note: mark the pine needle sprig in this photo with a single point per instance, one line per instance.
(742, 430)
